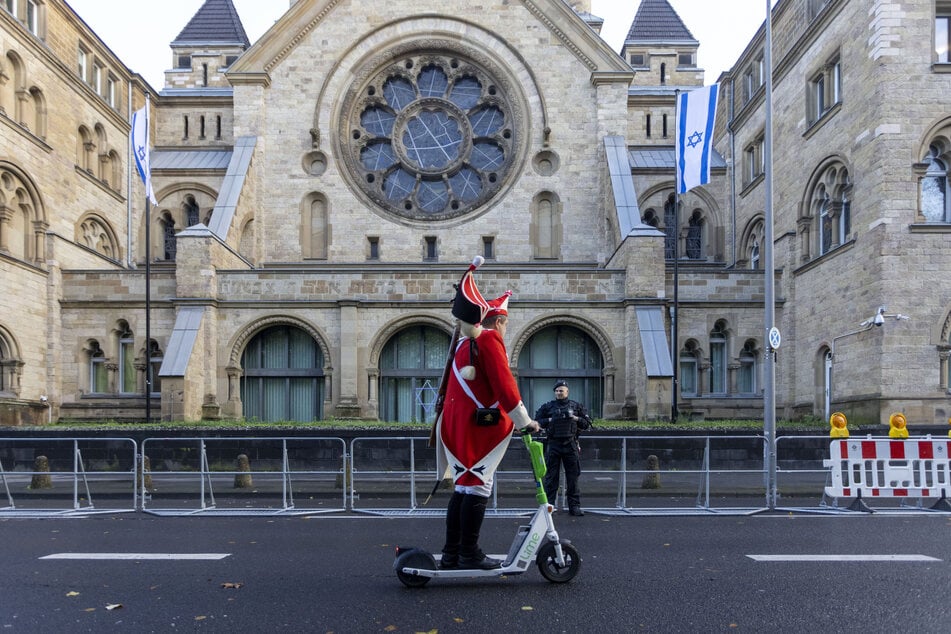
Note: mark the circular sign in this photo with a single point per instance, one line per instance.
(775, 339)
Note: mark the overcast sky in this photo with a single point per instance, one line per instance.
(723, 27)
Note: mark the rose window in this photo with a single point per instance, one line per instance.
(431, 137)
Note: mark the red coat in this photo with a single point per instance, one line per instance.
(473, 452)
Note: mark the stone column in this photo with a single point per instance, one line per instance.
(348, 405)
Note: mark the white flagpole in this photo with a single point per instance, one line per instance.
(769, 369)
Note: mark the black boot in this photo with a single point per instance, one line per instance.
(470, 555)
(450, 552)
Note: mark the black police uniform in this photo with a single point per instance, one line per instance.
(563, 448)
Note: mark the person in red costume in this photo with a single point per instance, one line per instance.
(482, 407)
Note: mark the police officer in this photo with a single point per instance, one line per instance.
(563, 419)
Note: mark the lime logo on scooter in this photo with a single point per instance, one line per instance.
(531, 545)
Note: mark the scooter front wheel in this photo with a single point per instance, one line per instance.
(414, 558)
(548, 566)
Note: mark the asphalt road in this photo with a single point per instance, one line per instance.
(334, 574)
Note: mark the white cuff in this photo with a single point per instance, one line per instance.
(520, 416)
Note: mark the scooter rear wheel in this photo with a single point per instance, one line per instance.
(550, 568)
(414, 558)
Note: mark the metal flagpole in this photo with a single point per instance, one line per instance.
(772, 335)
(674, 355)
(148, 311)
(148, 285)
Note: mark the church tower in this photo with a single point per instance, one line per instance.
(208, 45)
(660, 48)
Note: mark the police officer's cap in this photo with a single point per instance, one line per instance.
(560, 383)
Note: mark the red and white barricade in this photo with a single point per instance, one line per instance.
(889, 468)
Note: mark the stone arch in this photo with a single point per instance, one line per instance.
(589, 328)
(753, 231)
(241, 338)
(96, 233)
(384, 334)
(171, 201)
(830, 181)
(11, 363)
(22, 215)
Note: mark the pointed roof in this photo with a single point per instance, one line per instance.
(656, 21)
(216, 22)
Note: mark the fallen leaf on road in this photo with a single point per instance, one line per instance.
(527, 608)
(200, 618)
(389, 628)
(229, 584)
(113, 606)
(72, 593)
(89, 610)
(458, 620)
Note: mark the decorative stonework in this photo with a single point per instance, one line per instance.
(431, 131)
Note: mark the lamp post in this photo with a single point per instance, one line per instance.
(876, 321)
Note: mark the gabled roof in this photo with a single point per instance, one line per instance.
(656, 21)
(216, 22)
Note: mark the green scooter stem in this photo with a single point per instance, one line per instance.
(536, 452)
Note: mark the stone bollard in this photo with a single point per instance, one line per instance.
(41, 474)
(243, 480)
(145, 475)
(652, 479)
(343, 479)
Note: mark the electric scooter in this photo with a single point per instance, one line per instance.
(557, 559)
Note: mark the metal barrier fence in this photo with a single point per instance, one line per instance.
(42, 477)
(244, 476)
(688, 474)
(621, 475)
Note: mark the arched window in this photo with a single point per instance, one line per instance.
(10, 365)
(411, 366)
(191, 210)
(546, 227)
(169, 246)
(754, 255)
(830, 203)
(694, 246)
(935, 203)
(283, 376)
(718, 359)
(98, 374)
(85, 149)
(315, 227)
(689, 369)
(155, 364)
(126, 359)
(561, 352)
(746, 374)
(670, 229)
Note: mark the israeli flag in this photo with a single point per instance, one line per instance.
(141, 148)
(696, 114)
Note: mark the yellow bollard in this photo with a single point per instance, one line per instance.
(898, 426)
(949, 433)
(839, 425)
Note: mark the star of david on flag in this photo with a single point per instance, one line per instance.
(141, 148)
(696, 115)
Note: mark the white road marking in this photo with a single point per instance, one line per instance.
(842, 558)
(139, 556)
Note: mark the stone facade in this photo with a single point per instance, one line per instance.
(262, 227)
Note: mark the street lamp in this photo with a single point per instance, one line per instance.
(875, 321)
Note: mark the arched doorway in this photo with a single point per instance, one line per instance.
(411, 366)
(561, 352)
(283, 377)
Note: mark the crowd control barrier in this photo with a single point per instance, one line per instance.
(621, 475)
(909, 469)
(44, 477)
(243, 476)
